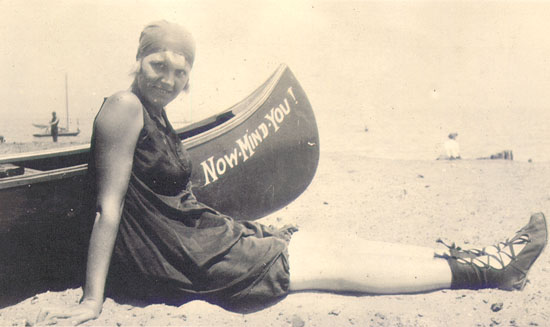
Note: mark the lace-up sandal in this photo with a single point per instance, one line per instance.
(458, 252)
(504, 265)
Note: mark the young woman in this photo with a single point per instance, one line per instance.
(165, 245)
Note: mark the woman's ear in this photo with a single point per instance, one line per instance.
(136, 69)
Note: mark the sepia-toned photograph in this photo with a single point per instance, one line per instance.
(274, 163)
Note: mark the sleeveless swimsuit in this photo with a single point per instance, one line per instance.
(171, 248)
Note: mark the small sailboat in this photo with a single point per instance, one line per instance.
(63, 131)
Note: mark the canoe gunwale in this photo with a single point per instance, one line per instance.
(43, 176)
(240, 117)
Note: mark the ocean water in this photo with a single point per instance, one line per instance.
(411, 137)
(422, 138)
(18, 128)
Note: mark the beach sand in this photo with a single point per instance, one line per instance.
(416, 202)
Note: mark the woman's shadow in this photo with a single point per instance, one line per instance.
(39, 256)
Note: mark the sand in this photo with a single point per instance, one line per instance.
(416, 202)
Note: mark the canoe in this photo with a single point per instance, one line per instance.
(248, 161)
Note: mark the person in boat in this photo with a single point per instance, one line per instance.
(54, 126)
(158, 243)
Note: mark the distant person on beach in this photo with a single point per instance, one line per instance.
(54, 129)
(156, 242)
(452, 149)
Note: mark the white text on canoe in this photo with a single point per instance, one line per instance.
(214, 168)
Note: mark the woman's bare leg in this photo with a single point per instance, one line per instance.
(345, 263)
(342, 241)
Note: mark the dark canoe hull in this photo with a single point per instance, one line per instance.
(248, 161)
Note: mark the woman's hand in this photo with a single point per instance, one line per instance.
(86, 310)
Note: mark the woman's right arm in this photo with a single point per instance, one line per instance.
(116, 130)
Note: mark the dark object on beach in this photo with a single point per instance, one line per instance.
(496, 307)
(505, 155)
(2, 139)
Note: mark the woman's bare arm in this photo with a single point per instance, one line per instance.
(116, 129)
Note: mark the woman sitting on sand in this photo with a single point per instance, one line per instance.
(166, 246)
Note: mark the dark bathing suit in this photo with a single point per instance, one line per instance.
(171, 248)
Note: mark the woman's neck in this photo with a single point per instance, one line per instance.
(153, 109)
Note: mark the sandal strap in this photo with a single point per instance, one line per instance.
(472, 256)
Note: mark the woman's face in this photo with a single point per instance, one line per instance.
(163, 75)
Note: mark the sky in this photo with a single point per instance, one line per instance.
(413, 70)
